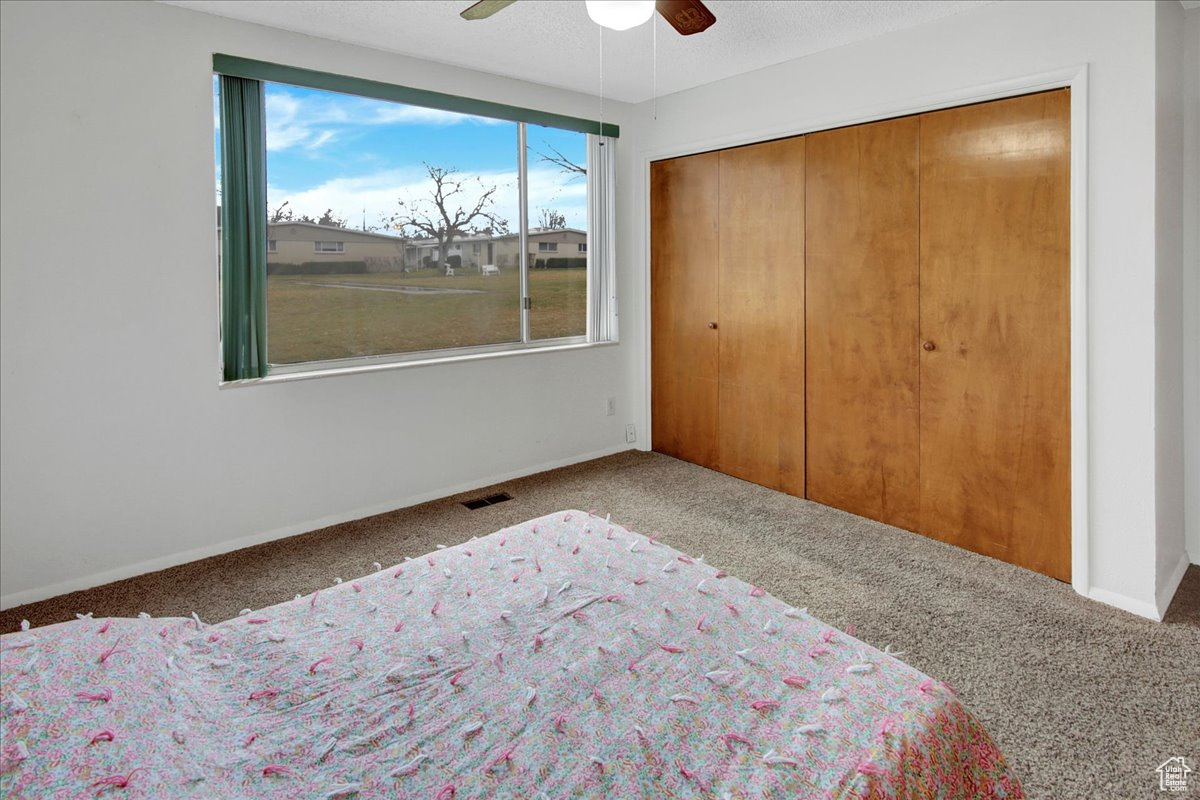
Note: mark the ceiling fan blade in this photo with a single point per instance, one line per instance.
(686, 16)
(485, 8)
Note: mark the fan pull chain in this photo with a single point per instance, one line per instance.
(601, 27)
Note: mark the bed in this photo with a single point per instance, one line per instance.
(563, 657)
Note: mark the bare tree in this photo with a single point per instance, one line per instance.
(330, 220)
(442, 216)
(550, 219)
(564, 163)
(283, 213)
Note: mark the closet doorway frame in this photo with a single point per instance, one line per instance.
(1073, 77)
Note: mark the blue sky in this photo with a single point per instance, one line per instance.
(328, 150)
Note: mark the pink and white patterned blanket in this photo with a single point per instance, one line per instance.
(564, 657)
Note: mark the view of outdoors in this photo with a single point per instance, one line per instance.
(394, 228)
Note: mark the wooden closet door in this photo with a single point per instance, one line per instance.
(683, 303)
(995, 370)
(761, 302)
(862, 327)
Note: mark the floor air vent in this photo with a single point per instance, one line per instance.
(490, 500)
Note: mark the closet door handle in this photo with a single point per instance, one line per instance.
(712, 326)
(929, 347)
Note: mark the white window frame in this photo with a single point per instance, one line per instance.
(547, 247)
(601, 326)
(582, 247)
(272, 245)
(339, 247)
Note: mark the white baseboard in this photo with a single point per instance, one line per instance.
(175, 559)
(1163, 599)
(1156, 610)
(1125, 603)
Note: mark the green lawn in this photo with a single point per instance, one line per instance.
(317, 317)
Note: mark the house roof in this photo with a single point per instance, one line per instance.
(333, 229)
(478, 237)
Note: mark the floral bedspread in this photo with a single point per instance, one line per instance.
(564, 657)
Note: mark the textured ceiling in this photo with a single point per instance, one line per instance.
(553, 42)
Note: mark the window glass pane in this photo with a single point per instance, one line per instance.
(558, 215)
(370, 204)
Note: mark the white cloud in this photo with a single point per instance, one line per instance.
(323, 138)
(391, 114)
(378, 194)
(311, 121)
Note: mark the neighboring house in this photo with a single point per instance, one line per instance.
(474, 250)
(547, 243)
(502, 251)
(306, 243)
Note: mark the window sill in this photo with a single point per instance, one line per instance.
(325, 369)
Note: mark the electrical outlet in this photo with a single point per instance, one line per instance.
(612, 406)
(630, 433)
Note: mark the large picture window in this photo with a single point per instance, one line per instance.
(364, 224)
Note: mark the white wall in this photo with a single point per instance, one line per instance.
(118, 453)
(977, 48)
(1170, 549)
(1191, 279)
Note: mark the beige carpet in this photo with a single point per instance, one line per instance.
(1085, 700)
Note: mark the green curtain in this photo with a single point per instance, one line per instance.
(243, 229)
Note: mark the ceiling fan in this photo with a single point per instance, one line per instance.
(685, 16)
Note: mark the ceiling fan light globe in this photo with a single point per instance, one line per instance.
(620, 15)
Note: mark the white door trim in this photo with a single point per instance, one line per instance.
(1075, 77)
